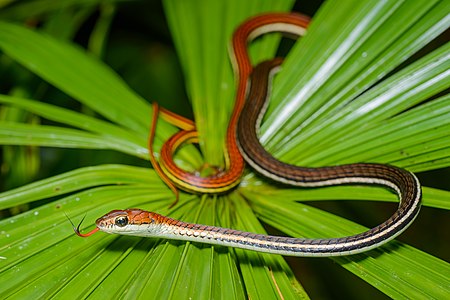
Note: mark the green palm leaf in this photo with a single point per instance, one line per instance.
(343, 96)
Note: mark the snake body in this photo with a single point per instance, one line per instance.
(243, 137)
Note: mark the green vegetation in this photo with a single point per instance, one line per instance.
(368, 83)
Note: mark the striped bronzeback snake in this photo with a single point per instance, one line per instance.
(242, 142)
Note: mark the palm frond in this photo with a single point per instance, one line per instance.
(347, 93)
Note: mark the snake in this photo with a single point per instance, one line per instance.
(254, 95)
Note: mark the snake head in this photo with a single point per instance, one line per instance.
(128, 222)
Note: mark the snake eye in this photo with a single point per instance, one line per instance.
(121, 221)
